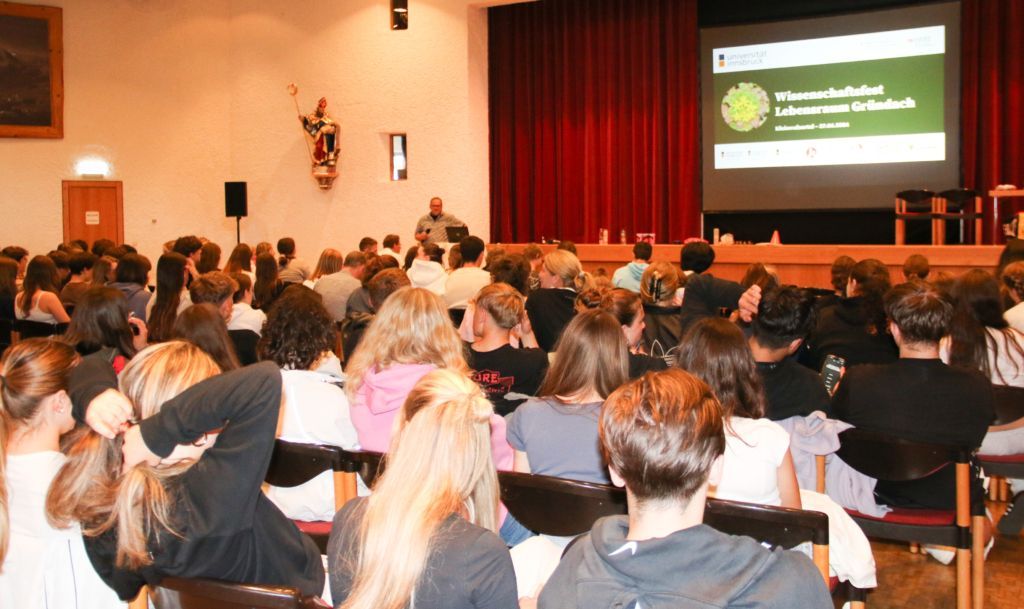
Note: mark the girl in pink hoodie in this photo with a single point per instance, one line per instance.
(410, 336)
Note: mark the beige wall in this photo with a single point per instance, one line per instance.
(182, 96)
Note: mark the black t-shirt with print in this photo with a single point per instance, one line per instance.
(507, 369)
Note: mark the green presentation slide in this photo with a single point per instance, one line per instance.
(894, 96)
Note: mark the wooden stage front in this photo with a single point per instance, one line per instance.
(804, 265)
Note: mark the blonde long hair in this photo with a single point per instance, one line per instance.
(412, 327)
(33, 370)
(439, 464)
(90, 487)
(567, 267)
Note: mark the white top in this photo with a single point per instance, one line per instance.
(428, 275)
(463, 284)
(34, 313)
(1015, 317)
(315, 411)
(244, 317)
(754, 450)
(387, 251)
(1007, 368)
(46, 568)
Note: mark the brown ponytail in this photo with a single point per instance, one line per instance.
(32, 370)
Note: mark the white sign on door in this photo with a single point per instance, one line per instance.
(92, 217)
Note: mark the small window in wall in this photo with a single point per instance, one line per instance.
(399, 14)
(398, 160)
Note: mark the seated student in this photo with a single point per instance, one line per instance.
(382, 285)
(291, 269)
(170, 298)
(916, 267)
(784, 317)
(428, 530)
(337, 287)
(918, 397)
(189, 503)
(425, 270)
(552, 305)
(659, 291)
(663, 437)
(705, 294)
(329, 263)
(132, 279)
(514, 270)
(298, 337)
(267, 286)
(625, 306)
(218, 289)
(359, 300)
(497, 366)
(1013, 286)
(240, 261)
(203, 326)
(41, 565)
(464, 282)
(38, 300)
(243, 316)
(980, 337)
(556, 434)
(758, 466)
(102, 324)
(628, 277)
(854, 328)
(81, 264)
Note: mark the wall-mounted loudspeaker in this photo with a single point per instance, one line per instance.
(236, 200)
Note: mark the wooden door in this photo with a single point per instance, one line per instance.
(93, 210)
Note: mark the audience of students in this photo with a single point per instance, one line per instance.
(185, 498)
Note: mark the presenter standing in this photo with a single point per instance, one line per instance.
(431, 228)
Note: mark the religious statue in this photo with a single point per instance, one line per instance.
(323, 130)
(319, 126)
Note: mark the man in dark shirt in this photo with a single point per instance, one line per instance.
(918, 397)
(499, 368)
(705, 295)
(784, 317)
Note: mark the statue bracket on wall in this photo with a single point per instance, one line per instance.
(321, 137)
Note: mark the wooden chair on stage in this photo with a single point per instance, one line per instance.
(959, 205)
(915, 205)
(183, 593)
(892, 459)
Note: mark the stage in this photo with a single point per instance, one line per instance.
(804, 265)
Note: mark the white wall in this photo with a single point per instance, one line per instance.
(182, 96)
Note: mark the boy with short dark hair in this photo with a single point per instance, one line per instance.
(785, 316)
(663, 438)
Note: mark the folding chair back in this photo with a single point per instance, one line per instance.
(556, 506)
(887, 458)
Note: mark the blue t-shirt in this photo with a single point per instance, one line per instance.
(559, 439)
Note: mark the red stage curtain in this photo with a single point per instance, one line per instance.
(993, 97)
(594, 118)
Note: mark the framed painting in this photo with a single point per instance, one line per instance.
(31, 71)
